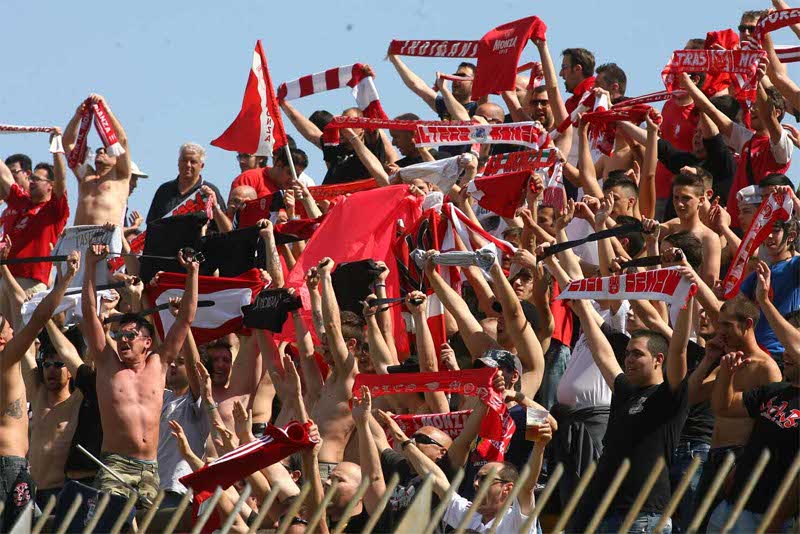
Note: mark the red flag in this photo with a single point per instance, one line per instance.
(502, 193)
(228, 294)
(361, 227)
(275, 445)
(258, 129)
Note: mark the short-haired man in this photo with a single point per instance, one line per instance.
(266, 180)
(625, 192)
(462, 90)
(130, 382)
(577, 71)
(21, 168)
(103, 189)
(613, 79)
(403, 140)
(14, 442)
(33, 219)
(191, 160)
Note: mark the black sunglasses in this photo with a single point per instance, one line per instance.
(57, 365)
(745, 28)
(426, 440)
(479, 479)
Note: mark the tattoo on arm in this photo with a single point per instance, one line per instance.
(14, 409)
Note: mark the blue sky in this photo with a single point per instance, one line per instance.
(176, 71)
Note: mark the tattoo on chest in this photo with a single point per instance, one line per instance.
(13, 409)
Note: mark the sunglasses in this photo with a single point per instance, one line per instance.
(479, 479)
(128, 335)
(743, 28)
(426, 440)
(57, 365)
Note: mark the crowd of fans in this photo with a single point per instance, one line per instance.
(618, 379)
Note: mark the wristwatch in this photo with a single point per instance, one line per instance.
(406, 443)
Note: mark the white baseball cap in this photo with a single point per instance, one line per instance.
(136, 171)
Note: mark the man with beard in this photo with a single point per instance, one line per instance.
(103, 189)
(130, 382)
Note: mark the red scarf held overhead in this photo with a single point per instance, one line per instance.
(434, 48)
(775, 21)
(777, 207)
(729, 40)
(635, 114)
(529, 134)
(501, 194)
(330, 135)
(741, 64)
(102, 124)
(658, 96)
(469, 382)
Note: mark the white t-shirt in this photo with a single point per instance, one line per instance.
(512, 522)
(189, 413)
(583, 384)
(781, 151)
(306, 180)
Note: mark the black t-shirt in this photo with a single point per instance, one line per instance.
(441, 110)
(413, 160)
(88, 431)
(699, 424)
(644, 423)
(776, 410)
(386, 523)
(344, 164)
(394, 462)
(168, 197)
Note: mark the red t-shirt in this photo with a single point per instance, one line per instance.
(33, 228)
(562, 317)
(258, 179)
(677, 128)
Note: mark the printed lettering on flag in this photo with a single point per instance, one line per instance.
(529, 134)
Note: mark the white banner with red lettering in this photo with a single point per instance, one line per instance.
(529, 134)
(778, 206)
(665, 284)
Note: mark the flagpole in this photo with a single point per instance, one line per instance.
(291, 162)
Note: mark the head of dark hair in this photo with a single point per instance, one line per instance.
(139, 321)
(23, 160)
(407, 117)
(690, 245)
(789, 226)
(727, 105)
(352, 327)
(290, 141)
(618, 178)
(742, 309)
(635, 239)
(467, 65)
(582, 57)
(775, 179)
(508, 472)
(697, 43)
(299, 158)
(320, 118)
(776, 101)
(512, 232)
(48, 168)
(689, 180)
(756, 14)
(614, 74)
(657, 343)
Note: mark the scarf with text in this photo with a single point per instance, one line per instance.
(468, 382)
(330, 135)
(444, 173)
(355, 76)
(56, 145)
(658, 96)
(434, 48)
(102, 124)
(776, 207)
(536, 78)
(666, 285)
(742, 64)
(548, 158)
(529, 134)
(502, 193)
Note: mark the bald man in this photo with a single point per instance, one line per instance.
(492, 113)
(237, 198)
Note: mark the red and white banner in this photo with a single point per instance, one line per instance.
(434, 48)
(635, 113)
(776, 207)
(469, 382)
(462, 225)
(775, 21)
(228, 295)
(520, 161)
(529, 134)
(502, 193)
(12, 129)
(742, 63)
(665, 284)
(601, 137)
(355, 76)
(102, 124)
(788, 53)
(451, 423)
(330, 135)
(658, 96)
(275, 445)
(258, 129)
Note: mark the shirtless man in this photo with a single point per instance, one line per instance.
(13, 397)
(736, 332)
(55, 411)
(340, 346)
(102, 190)
(130, 382)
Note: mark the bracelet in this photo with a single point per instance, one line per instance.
(405, 444)
(212, 407)
(350, 139)
(379, 285)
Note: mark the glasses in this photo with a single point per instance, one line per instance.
(16, 171)
(128, 335)
(479, 479)
(243, 156)
(35, 178)
(57, 365)
(426, 440)
(743, 28)
(543, 103)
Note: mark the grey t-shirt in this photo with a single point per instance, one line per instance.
(189, 413)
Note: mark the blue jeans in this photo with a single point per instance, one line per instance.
(16, 489)
(644, 523)
(681, 458)
(555, 363)
(746, 523)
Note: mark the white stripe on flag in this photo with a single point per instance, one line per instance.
(345, 75)
(292, 90)
(227, 305)
(318, 82)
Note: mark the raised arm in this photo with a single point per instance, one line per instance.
(647, 184)
(765, 110)
(64, 347)
(703, 104)
(16, 347)
(676, 359)
(414, 82)
(456, 110)
(779, 76)
(384, 316)
(588, 174)
(369, 459)
(544, 433)
(59, 168)
(6, 180)
(274, 268)
(551, 82)
(426, 351)
(601, 350)
(174, 338)
(368, 159)
(71, 134)
(93, 330)
(788, 335)
(330, 314)
(307, 129)
(379, 351)
(311, 372)
(123, 161)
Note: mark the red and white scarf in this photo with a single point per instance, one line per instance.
(102, 124)
(56, 145)
(331, 132)
(469, 382)
(743, 64)
(434, 48)
(502, 193)
(776, 207)
(649, 98)
(451, 423)
(353, 76)
(665, 284)
(600, 137)
(532, 160)
(529, 134)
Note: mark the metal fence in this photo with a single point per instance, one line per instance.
(420, 517)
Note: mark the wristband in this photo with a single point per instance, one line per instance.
(380, 285)
(212, 407)
(405, 444)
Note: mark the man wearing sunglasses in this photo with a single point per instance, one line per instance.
(131, 375)
(14, 478)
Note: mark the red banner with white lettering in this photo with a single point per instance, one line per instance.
(434, 48)
(741, 62)
(469, 382)
(529, 134)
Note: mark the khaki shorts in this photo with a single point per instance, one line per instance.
(139, 474)
(31, 286)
